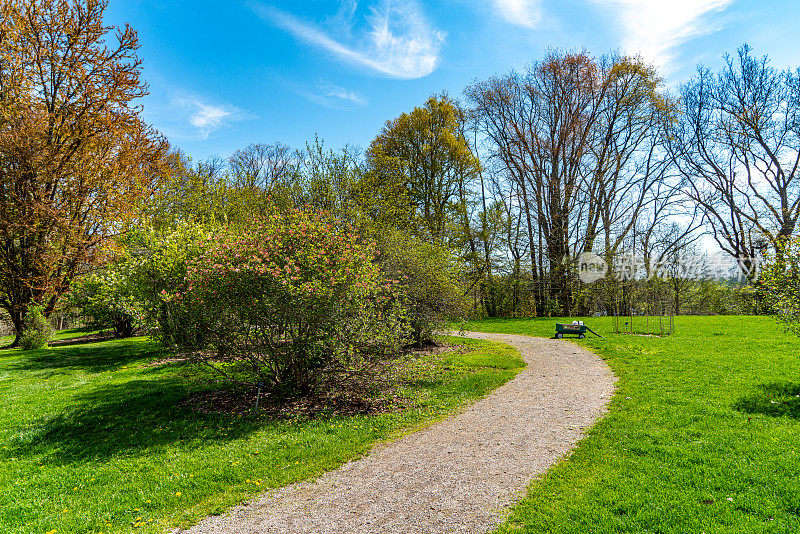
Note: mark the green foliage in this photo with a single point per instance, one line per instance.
(156, 266)
(780, 279)
(747, 300)
(711, 297)
(430, 278)
(420, 166)
(137, 288)
(326, 180)
(294, 294)
(38, 332)
(107, 299)
(254, 181)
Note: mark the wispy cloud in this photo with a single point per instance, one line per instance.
(344, 17)
(526, 13)
(205, 117)
(654, 28)
(332, 96)
(397, 40)
(331, 91)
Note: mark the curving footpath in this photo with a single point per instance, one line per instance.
(459, 475)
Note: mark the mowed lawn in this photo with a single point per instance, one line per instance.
(92, 438)
(702, 435)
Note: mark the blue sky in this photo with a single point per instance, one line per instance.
(225, 73)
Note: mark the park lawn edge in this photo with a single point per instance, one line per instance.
(400, 431)
(701, 435)
(172, 463)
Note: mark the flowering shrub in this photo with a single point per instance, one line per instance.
(295, 296)
(780, 279)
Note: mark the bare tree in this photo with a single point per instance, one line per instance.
(540, 124)
(629, 178)
(579, 137)
(737, 145)
(260, 166)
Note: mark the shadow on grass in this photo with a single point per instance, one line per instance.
(79, 330)
(91, 357)
(134, 418)
(82, 340)
(776, 399)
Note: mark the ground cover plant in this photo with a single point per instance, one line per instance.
(701, 436)
(94, 437)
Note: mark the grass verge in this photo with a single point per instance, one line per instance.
(702, 434)
(92, 439)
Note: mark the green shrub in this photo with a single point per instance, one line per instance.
(295, 296)
(430, 279)
(780, 280)
(37, 332)
(156, 262)
(106, 299)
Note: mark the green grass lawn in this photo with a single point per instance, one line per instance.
(702, 436)
(92, 439)
(57, 336)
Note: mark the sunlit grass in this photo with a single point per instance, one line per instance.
(702, 436)
(93, 441)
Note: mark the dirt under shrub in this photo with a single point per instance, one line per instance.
(335, 395)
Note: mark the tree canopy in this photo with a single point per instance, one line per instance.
(75, 155)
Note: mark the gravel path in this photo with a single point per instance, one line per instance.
(459, 475)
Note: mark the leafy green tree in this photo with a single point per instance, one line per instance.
(420, 162)
(156, 266)
(190, 193)
(107, 299)
(430, 277)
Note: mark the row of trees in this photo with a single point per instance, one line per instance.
(580, 154)
(574, 154)
(594, 155)
(574, 147)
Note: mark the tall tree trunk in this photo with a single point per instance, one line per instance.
(491, 299)
(557, 254)
(17, 319)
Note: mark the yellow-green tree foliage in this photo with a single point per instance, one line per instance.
(418, 164)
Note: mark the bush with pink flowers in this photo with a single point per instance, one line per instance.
(295, 296)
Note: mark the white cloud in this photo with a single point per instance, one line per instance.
(653, 28)
(345, 17)
(205, 117)
(346, 95)
(397, 42)
(332, 96)
(526, 13)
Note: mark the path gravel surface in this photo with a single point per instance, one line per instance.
(459, 475)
